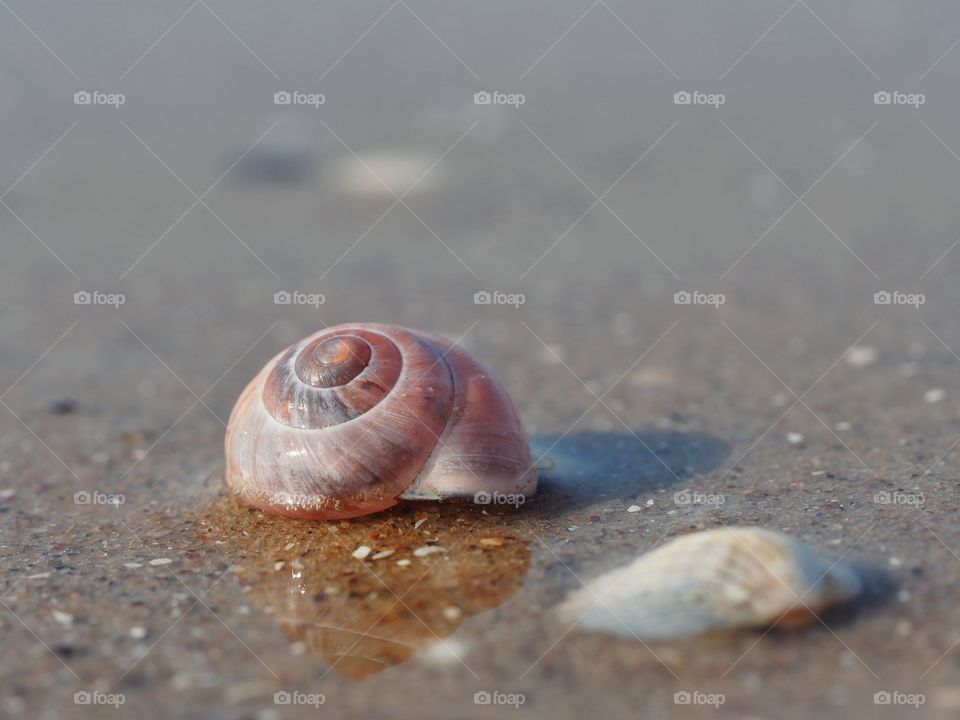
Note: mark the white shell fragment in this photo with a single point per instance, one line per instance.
(744, 577)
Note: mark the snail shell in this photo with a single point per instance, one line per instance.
(713, 580)
(355, 418)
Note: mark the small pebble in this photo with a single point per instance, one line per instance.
(289, 546)
(452, 612)
(841, 426)
(428, 550)
(386, 172)
(63, 406)
(298, 648)
(39, 576)
(794, 438)
(895, 562)
(361, 552)
(491, 542)
(634, 508)
(7, 493)
(383, 554)
(64, 618)
(934, 396)
(650, 502)
(861, 356)
(403, 563)
(279, 565)
(132, 565)
(573, 528)
(779, 400)
(419, 522)
(161, 561)
(138, 633)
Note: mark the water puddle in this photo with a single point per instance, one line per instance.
(369, 593)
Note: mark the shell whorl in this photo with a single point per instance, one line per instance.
(351, 419)
(331, 379)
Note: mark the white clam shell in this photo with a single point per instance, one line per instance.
(713, 580)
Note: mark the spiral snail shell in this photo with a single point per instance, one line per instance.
(355, 418)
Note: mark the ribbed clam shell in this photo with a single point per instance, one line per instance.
(713, 580)
(407, 416)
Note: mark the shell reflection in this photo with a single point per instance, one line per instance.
(369, 593)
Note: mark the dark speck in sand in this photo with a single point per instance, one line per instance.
(272, 166)
(64, 406)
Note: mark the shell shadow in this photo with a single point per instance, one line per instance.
(879, 586)
(586, 467)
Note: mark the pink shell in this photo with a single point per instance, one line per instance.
(420, 420)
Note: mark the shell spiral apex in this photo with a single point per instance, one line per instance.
(355, 418)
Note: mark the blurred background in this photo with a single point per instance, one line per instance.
(186, 188)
